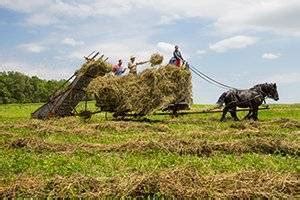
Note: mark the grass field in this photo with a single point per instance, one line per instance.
(190, 156)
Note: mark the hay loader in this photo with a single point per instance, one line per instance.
(64, 101)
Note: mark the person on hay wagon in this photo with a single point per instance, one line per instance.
(177, 57)
(132, 65)
(118, 69)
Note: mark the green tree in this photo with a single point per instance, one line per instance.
(16, 87)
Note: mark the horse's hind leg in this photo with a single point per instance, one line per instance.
(234, 115)
(225, 110)
(249, 115)
(255, 114)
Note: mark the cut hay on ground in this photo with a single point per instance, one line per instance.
(167, 145)
(180, 183)
(142, 94)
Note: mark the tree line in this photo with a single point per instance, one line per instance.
(16, 87)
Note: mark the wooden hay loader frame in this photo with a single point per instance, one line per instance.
(64, 101)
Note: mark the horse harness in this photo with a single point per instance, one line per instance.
(237, 99)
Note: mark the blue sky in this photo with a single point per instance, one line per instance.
(238, 42)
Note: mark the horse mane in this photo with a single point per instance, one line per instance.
(262, 88)
(258, 86)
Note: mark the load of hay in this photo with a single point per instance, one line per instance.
(144, 93)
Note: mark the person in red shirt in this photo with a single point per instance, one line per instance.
(118, 68)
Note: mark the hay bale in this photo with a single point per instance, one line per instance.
(156, 59)
(142, 94)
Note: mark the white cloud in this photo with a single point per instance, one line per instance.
(32, 47)
(168, 19)
(287, 78)
(271, 56)
(72, 42)
(280, 17)
(24, 6)
(40, 19)
(115, 50)
(233, 16)
(165, 47)
(237, 42)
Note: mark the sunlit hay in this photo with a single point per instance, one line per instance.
(54, 126)
(156, 59)
(167, 145)
(188, 183)
(22, 187)
(95, 68)
(142, 94)
(287, 123)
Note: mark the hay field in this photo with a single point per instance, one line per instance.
(189, 156)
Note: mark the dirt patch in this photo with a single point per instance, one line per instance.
(178, 183)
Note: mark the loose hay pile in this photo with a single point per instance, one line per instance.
(156, 59)
(142, 94)
(178, 183)
(95, 68)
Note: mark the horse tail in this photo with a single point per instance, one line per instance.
(221, 99)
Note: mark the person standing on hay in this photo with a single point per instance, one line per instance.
(132, 65)
(178, 57)
(118, 69)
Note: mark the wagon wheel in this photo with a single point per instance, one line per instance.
(174, 108)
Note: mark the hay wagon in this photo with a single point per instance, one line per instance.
(164, 88)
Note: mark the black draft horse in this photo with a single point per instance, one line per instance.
(251, 98)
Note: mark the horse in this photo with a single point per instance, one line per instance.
(250, 98)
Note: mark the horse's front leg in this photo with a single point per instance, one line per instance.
(225, 110)
(249, 115)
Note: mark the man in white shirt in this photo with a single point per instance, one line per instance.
(132, 65)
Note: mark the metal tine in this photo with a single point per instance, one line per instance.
(90, 54)
(101, 57)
